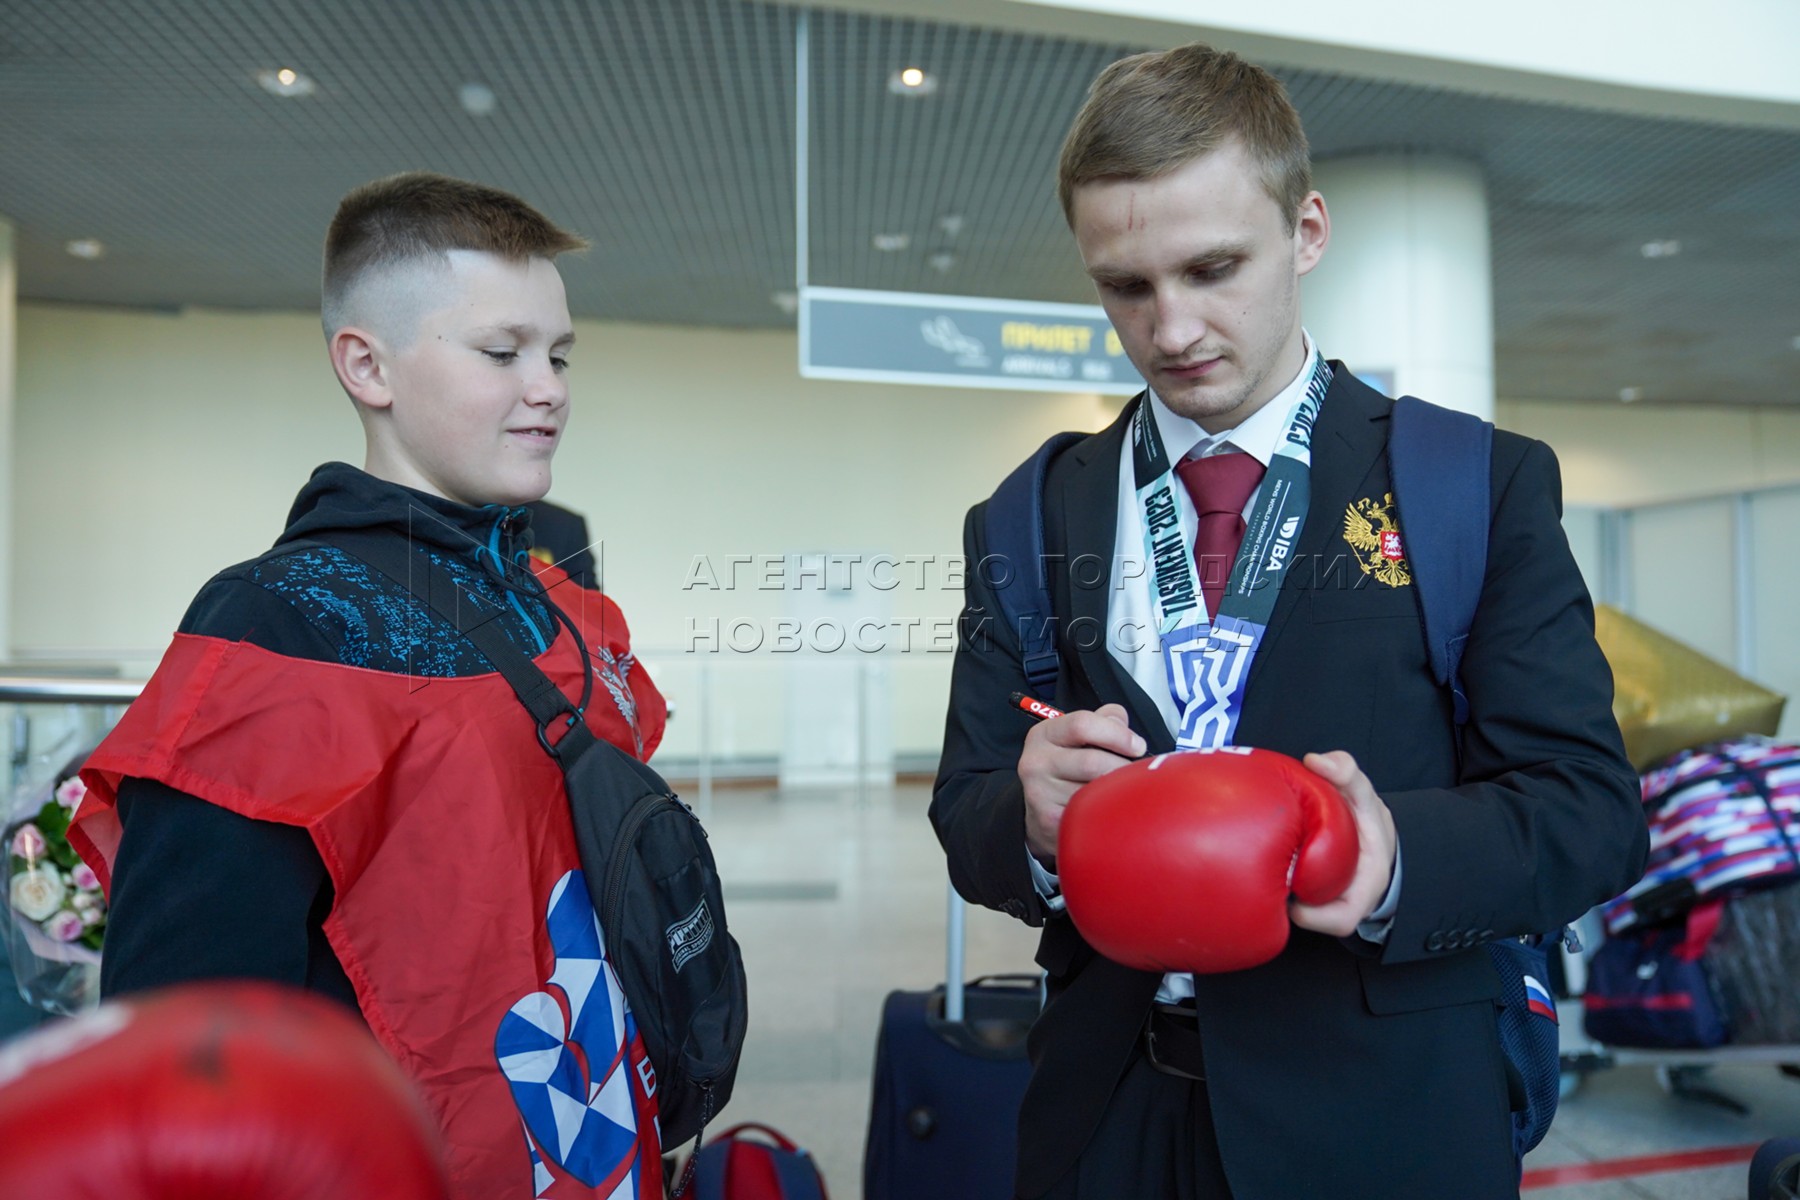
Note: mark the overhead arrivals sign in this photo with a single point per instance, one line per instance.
(961, 341)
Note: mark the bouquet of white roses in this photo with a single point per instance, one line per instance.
(56, 911)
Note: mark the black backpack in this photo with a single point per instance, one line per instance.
(650, 873)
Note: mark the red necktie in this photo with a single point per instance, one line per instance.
(1220, 485)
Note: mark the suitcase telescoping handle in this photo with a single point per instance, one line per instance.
(956, 929)
(956, 935)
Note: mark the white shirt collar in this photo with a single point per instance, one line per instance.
(1257, 435)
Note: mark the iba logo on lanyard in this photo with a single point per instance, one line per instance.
(1208, 663)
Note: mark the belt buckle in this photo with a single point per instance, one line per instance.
(1159, 1064)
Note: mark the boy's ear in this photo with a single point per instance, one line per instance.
(360, 361)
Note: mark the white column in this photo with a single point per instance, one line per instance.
(9, 371)
(1404, 294)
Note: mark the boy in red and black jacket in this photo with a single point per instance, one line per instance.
(327, 785)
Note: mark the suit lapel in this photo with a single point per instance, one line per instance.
(1090, 506)
(1349, 439)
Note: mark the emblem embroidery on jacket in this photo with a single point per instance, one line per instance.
(615, 674)
(1374, 534)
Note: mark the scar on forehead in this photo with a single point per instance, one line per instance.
(1131, 212)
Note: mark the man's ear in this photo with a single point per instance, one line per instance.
(361, 362)
(1312, 230)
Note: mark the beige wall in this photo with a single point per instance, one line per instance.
(150, 451)
(1617, 454)
(154, 449)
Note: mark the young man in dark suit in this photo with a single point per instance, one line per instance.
(1363, 1062)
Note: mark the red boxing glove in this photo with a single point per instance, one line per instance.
(1185, 862)
(217, 1091)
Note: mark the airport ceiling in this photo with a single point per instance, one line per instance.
(663, 129)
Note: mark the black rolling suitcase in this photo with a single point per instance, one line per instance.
(950, 1070)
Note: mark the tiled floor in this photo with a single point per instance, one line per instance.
(839, 898)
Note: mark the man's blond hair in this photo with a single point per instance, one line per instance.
(1150, 114)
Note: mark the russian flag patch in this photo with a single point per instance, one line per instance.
(1537, 998)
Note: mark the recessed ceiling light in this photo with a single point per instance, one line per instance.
(890, 243)
(285, 81)
(1630, 394)
(787, 302)
(477, 99)
(942, 261)
(88, 248)
(951, 224)
(1667, 248)
(1796, 342)
(911, 81)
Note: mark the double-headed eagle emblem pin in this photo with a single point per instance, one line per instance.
(1374, 534)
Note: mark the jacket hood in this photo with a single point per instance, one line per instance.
(340, 496)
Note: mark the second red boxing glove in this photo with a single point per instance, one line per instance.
(212, 1091)
(1185, 862)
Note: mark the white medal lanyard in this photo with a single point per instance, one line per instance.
(1207, 664)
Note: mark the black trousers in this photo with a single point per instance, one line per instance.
(1155, 1142)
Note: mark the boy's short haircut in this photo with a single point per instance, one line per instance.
(418, 217)
(1151, 114)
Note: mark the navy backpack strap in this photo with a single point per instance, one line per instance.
(1013, 530)
(1440, 462)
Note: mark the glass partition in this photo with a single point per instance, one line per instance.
(53, 916)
